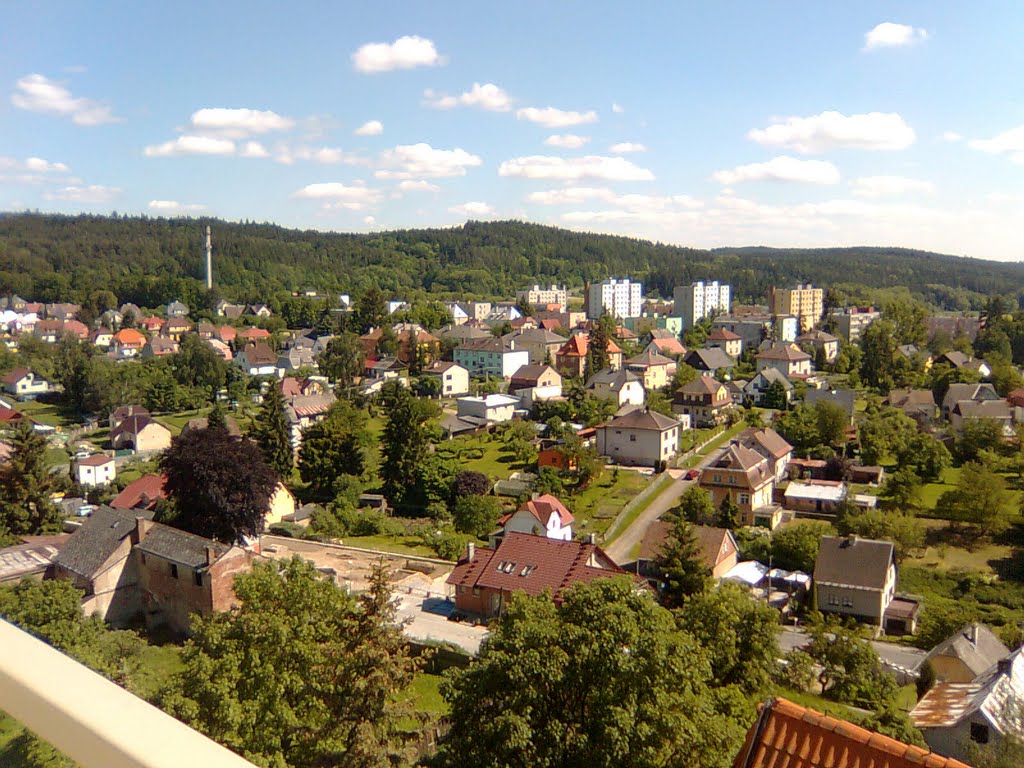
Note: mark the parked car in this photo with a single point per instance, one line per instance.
(693, 474)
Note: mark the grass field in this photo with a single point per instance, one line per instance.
(176, 421)
(400, 545)
(426, 692)
(661, 483)
(601, 502)
(718, 441)
(948, 551)
(45, 413)
(930, 492)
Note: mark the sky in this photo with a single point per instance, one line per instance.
(698, 124)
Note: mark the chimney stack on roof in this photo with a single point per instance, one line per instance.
(470, 551)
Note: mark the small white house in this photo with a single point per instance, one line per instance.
(453, 377)
(23, 383)
(493, 409)
(543, 516)
(96, 470)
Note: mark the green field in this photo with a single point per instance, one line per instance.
(399, 544)
(946, 550)
(45, 413)
(603, 499)
(426, 693)
(661, 483)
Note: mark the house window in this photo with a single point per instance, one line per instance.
(476, 591)
(979, 733)
(744, 498)
(197, 577)
(847, 602)
(833, 600)
(174, 570)
(632, 438)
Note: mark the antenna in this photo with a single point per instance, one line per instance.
(209, 259)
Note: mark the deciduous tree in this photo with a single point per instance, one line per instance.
(338, 445)
(405, 441)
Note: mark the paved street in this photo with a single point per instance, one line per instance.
(900, 655)
(620, 550)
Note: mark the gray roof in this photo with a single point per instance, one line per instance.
(771, 375)
(853, 561)
(92, 545)
(644, 419)
(975, 645)
(844, 398)
(710, 359)
(179, 546)
(615, 379)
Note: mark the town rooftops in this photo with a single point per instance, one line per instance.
(702, 385)
(532, 564)
(439, 366)
(719, 333)
(853, 562)
(143, 493)
(180, 546)
(132, 425)
(710, 539)
(710, 359)
(488, 344)
(31, 557)
(259, 353)
(767, 438)
(530, 374)
(816, 490)
(647, 358)
(643, 419)
(975, 645)
(578, 343)
(91, 546)
(616, 380)
(787, 735)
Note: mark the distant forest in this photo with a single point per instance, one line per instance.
(150, 261)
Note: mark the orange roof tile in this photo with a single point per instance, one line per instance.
(787, 735)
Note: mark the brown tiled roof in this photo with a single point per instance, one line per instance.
(644, 419)
(709, 538)
(723, 334)
(13, 377)
(542, 507)
(702, 385)
(258, 353)
(98, 460)
(133, 425)
(529, 374)
(788, 352)
(532, 564)
(767, 438)
(786, 735)
(853, 561)
(143, 493)
(670, 346)
(649, 358)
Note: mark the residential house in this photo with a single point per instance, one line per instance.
(75, 329)
(24, 384)
(458, 314)
(769, 444)
(571, 358)
(9, 418)
(96, 470)
(744, 476)
(62, 311)
(112, 318)
(542, 344)
(914, 355)
(129, 310)
(280, 507)
(206, 330)
(32, 559)
(670, 347)
(127, 343)
(376, 372)
(639, 438)
(753, 328)
(230, 311)
(253, 333)
(964, 362)
(102, 337)
(959, 392)
(13, 302)
(985, 711)
(140, 433)
(489, 409)
(718, 548)
(845, 399)
(175, 328)
(491, 356)
(757, 388)
(453, 378)
(804, 302)
(502, 313)
(918, 404)
(653, 368)
(142, 494)
(458, 334)
(725, 340)
(257, 359)
(621, 387)
(221, 349)
(998, 411)
(705, 400)
(177, 309)
(428, 346)
(820, 499)
(485, 578)
(791, 361)
(304, 410)
(225, 333)
(295, 358)
(709, 360)
(967, 654)
(737, 391)
(539, 376)
(542, 516)
(788, 735)
(855, 577)
(258, 310)
(159, 346)
(555, 297)
(817, 342)
(180, 574)
(151, 324)
(50, 331)
(97, 559)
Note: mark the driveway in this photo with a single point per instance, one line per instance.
(427, 619)
(621, 548)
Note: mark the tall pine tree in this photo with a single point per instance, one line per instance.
(681, 566)
(25, 487)
(273, 433)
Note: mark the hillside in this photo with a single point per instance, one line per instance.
(150, 261)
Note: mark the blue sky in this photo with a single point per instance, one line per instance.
(742, 123)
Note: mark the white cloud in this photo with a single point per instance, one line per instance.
(417, 186)
(834, 130)
(617, 109)
(781, 169)
(422, 161)
(94, 193)
(370, 128)
(237, 123)
(191, 145)
(37, 93)
(369, 221)
(354, 197)
(1009, 143)
(890, 186)
(891, 35)
(253, 149)
(574, 168)
(173, 206)
(405, 53)
(566, 140)
(33, 165)
(487, 96)
(626, 146)
(472, 209)
(627, 206)
(951, 136)
(555, 118)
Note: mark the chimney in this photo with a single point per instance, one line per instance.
(591, 538)
(209, 260)
(1005, 666)
(211, 555)
(142, 527)
(470, 551)
(972, 634)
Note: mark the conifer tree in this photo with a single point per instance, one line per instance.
(25, 487)
(681, 566)
(273, 433)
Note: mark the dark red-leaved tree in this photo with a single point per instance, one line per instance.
(220, 485)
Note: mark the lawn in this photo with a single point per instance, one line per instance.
(661, 483)
(45, 413)
(946, 550)
(426, 693)
(176, 421)
(399, 544)
(496, 462)
(150, 670)
(930, 492)
(601, 502)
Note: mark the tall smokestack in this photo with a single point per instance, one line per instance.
(209, 260)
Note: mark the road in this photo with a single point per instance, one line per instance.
(899, 655)
(620, 550)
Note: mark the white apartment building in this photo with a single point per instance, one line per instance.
(621, 298)
(539, 296)
(696, 301)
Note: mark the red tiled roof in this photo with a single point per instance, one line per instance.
(141, 494)
(532, 564)
(542, 507)
(10, 416)
(129, 337)
(13, 377)
(254, 333)
(95, 461)
(577, 344)
(723, 334)
(787, 735)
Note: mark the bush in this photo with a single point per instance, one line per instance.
(446, 542)
(477, 515)
(796, 671)
(472, 453)
(289, 530)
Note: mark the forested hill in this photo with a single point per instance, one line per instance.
(150, 261)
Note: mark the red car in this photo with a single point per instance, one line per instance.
(693, 474)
